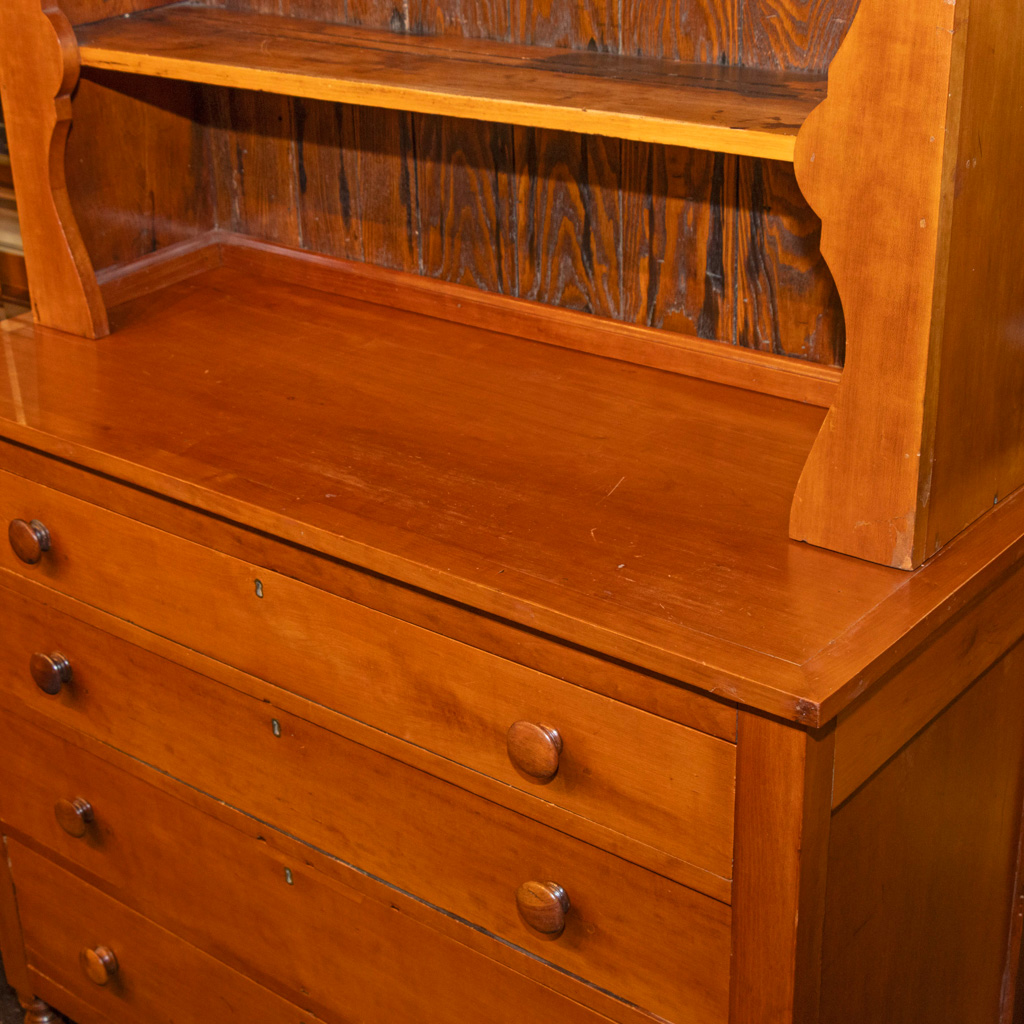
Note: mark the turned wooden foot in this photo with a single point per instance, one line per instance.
(37, 1012)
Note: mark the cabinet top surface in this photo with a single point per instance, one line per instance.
(630, 510)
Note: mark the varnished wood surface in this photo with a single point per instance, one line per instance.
(979, 455)
(158, 970)
(12, 945)
(677, 561)
(128, 688)
(881, 136)
(227, 893)
(39, 69)
(447, 848)
(782, 817)
(747, 112)
(411, 683)
(922, 866)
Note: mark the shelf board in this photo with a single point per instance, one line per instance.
(750, 112)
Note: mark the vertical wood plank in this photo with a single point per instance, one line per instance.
(690, 30)
(264, 166)
(581, 25)
(12, 944)
(693, 281)
(787, 301)
(802, 35)
(140, 175)
(568, 220)
(923, 859)
(466, 216)
(783, 808)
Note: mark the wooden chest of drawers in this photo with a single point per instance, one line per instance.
(454, 572)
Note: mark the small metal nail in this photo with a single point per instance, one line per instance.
(259, 588)
(276, 726)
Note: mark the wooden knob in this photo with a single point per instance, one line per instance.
(50, 671)
(543, 906)
(74, 816)
(99, 964)
(29, 540)
(535, 750)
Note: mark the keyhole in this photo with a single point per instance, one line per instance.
(259, 588)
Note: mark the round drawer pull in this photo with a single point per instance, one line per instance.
(535, 750)
(99, 964)
(543, 906)
(50, 671)
(74, 816)
(29, 540)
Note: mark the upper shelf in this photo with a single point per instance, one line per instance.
(745, 111)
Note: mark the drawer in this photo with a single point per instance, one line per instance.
(459, 853)
(158, 978)
(335, 950)
(666, 785)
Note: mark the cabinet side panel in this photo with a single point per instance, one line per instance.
(979, 440)
(922, 868)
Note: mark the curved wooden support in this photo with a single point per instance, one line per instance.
(874, 161)
(38, 70)
(38, 1012)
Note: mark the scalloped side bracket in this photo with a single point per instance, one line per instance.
(39, 68)
(876, 162)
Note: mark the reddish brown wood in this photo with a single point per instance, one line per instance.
(783, 804)
(38, 1012)
(50, 672)
(543, 906)
(942, 817)
(99, 964)
(28, 540)
(451, 849)
(74, 816)
(867, 486)
(535, 749)
(12, 945)
(39, 61)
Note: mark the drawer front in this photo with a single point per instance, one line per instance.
(332, 949)
(158, 977)
(460, 853)
(664, 784)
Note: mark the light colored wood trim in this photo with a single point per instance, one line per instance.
(39, 67)
(747, 112)
(886, 135)
(783, 813)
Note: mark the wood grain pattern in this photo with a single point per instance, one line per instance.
(467, 857)
(884, 412)
(39, 68)
(165, 197)
(752, 112)
(466, 204)
(883, 720)
(956, 789)
(666, 698)
(782, 840)
(350, 659)
(979, 454)
(787, 301)
(230, 898)
(795, 629)
(12, 943)
(65, 915)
